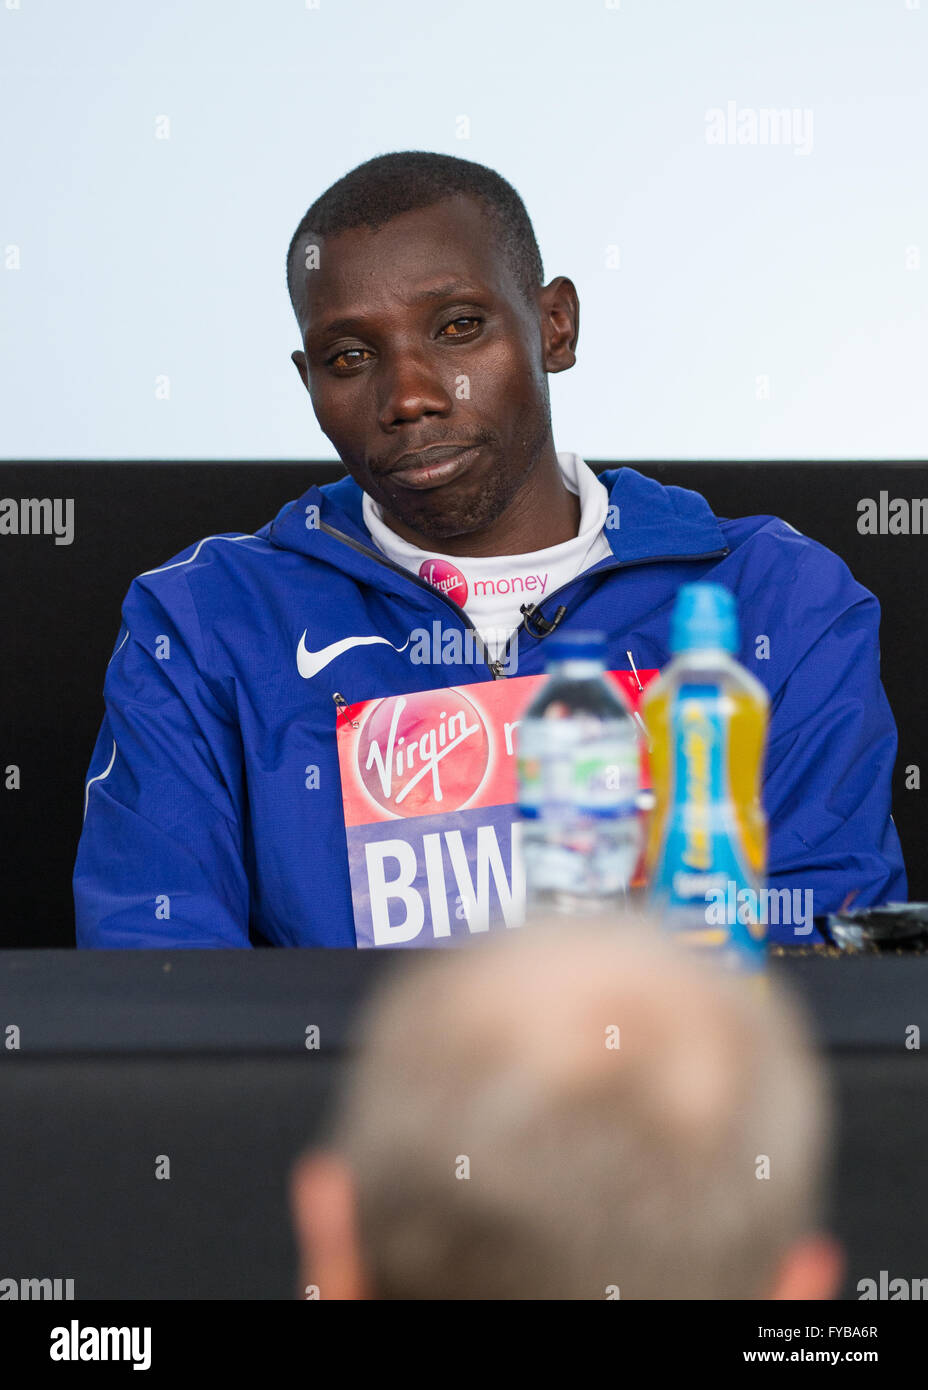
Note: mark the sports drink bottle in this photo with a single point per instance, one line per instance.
(706, 718)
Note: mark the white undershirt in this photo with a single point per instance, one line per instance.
(497, 585)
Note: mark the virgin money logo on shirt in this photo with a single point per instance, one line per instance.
(446, 579)
(514, 584)
(423, 753)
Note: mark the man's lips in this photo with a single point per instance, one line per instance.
(435, 466)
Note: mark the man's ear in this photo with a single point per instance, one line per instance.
(811, 1269)
(560, 309)
(298, 358)
(324, 1211)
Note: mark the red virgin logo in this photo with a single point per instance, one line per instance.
(446, 579)
(424, 752)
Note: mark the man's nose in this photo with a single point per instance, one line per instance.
(413, 385)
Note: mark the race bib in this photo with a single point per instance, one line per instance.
(429, 794)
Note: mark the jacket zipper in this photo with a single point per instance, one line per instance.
(496, 666)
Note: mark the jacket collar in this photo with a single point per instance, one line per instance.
(646, 521)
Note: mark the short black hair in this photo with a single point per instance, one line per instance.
(404, 180)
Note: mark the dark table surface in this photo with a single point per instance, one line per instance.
(256, 1001)
(125, 1056)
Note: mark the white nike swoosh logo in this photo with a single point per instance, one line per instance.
(309, 663)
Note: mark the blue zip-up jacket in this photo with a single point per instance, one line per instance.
(199, 829)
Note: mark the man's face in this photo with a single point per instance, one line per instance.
(418, 335)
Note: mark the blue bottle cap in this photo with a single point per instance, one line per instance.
(575, 646)
(704, 616)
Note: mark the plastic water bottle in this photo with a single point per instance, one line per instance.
(706, 718)
(578, 768)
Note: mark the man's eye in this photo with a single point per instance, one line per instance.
(464, 319)
(460, 329)
(345, 352)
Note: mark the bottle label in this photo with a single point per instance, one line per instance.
(562, 768)
(702, 868)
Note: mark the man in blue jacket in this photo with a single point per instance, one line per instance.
(276, 764)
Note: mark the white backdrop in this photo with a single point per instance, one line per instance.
(740, 298)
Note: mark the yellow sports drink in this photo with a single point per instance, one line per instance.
(706, 718)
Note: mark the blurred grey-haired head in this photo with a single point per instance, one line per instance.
(569, 1109)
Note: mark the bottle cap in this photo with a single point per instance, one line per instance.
(575, 646)
(704, 616)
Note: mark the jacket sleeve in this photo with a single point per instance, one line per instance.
(160, 858)
(830, 757)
